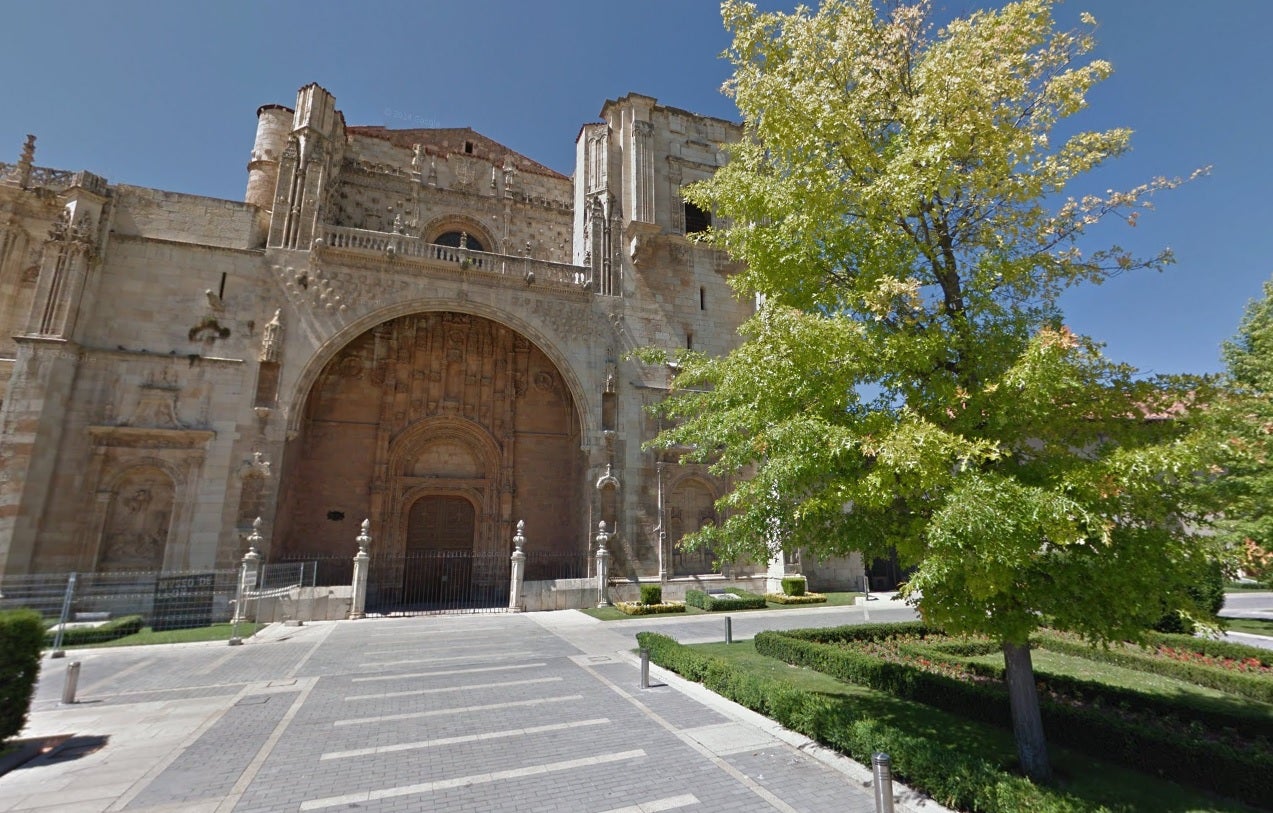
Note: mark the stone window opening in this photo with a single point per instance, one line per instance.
(468, 147)
(702, 298)
(696, 220)
(689, 340)
(608, 411)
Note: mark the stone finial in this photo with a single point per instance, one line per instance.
(25, 162)
(364, 538)
(271, 347)
(519, 538)
(608, 480)
(602, 536)
(417, 158)
(254, 540)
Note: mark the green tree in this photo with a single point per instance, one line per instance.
(908, 381)
(1247, 437)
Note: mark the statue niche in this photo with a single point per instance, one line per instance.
(136, 532)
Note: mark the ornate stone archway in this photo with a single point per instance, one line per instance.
(434, 404)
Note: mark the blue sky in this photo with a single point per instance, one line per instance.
(164, 94)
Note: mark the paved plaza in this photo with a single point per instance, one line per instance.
(482, 713)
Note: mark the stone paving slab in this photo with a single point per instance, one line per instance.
(445, 713)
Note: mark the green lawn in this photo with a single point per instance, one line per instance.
(1245, 587)
(1095, 782)
(1256, 626)
(1187, 694)
(611, 614)
(216, 632)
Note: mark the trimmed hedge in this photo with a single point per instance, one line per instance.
(21, 638)
(1117, 698)
(793, 585)
(1212, 647)
(865, 632)
(1177, 752)
(636, 608)
(950, 776)
(79, 636)
(651, 594)
(803, 598)
(1252, 687)
(744, 600)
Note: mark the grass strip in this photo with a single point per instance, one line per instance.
(1255, 626)
(1156, 746)
(147, 636)
(962, 764)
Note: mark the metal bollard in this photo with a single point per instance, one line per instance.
(645, 668)
(72, 681)
(729, 630)
(883, 769)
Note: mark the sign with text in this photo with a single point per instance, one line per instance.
(183, 602)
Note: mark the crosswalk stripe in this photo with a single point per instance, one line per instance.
(474, 779)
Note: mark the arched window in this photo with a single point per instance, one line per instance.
(452, 239)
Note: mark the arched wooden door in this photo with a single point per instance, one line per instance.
(438, 566)
(441, 523)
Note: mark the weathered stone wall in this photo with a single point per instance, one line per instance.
(181, 218)
(198, 377)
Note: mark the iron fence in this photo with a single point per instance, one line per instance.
(164, 600)
(542, 566)
(322, 570)
(438, 581)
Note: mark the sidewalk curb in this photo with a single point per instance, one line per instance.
(906, 799)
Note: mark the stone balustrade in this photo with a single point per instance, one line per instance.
(58, 180)
(524, 270)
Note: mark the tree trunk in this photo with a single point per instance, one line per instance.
(1027, 724)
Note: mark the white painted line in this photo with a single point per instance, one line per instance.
(414, 648)
(463, 688)
(492, 735)
(447, 631)
(245, 779)
(503, 656)
(658, 805)
(475, 779)
(539, 701)
(442, 672)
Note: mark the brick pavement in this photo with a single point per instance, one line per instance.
(537, 712)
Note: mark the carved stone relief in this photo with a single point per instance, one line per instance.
(136, 531)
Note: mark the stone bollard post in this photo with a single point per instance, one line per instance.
(362, 563)
(883, 771)
(515, 602)
(603, 565)
(249, 572)
(72, 682)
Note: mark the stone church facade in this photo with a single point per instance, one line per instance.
(420, 327)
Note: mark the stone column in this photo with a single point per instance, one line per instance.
(362, 563)
(250, 571)
(515, 601)
(603, 565)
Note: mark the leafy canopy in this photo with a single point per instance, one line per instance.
(1246, 421)
(907, 381)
